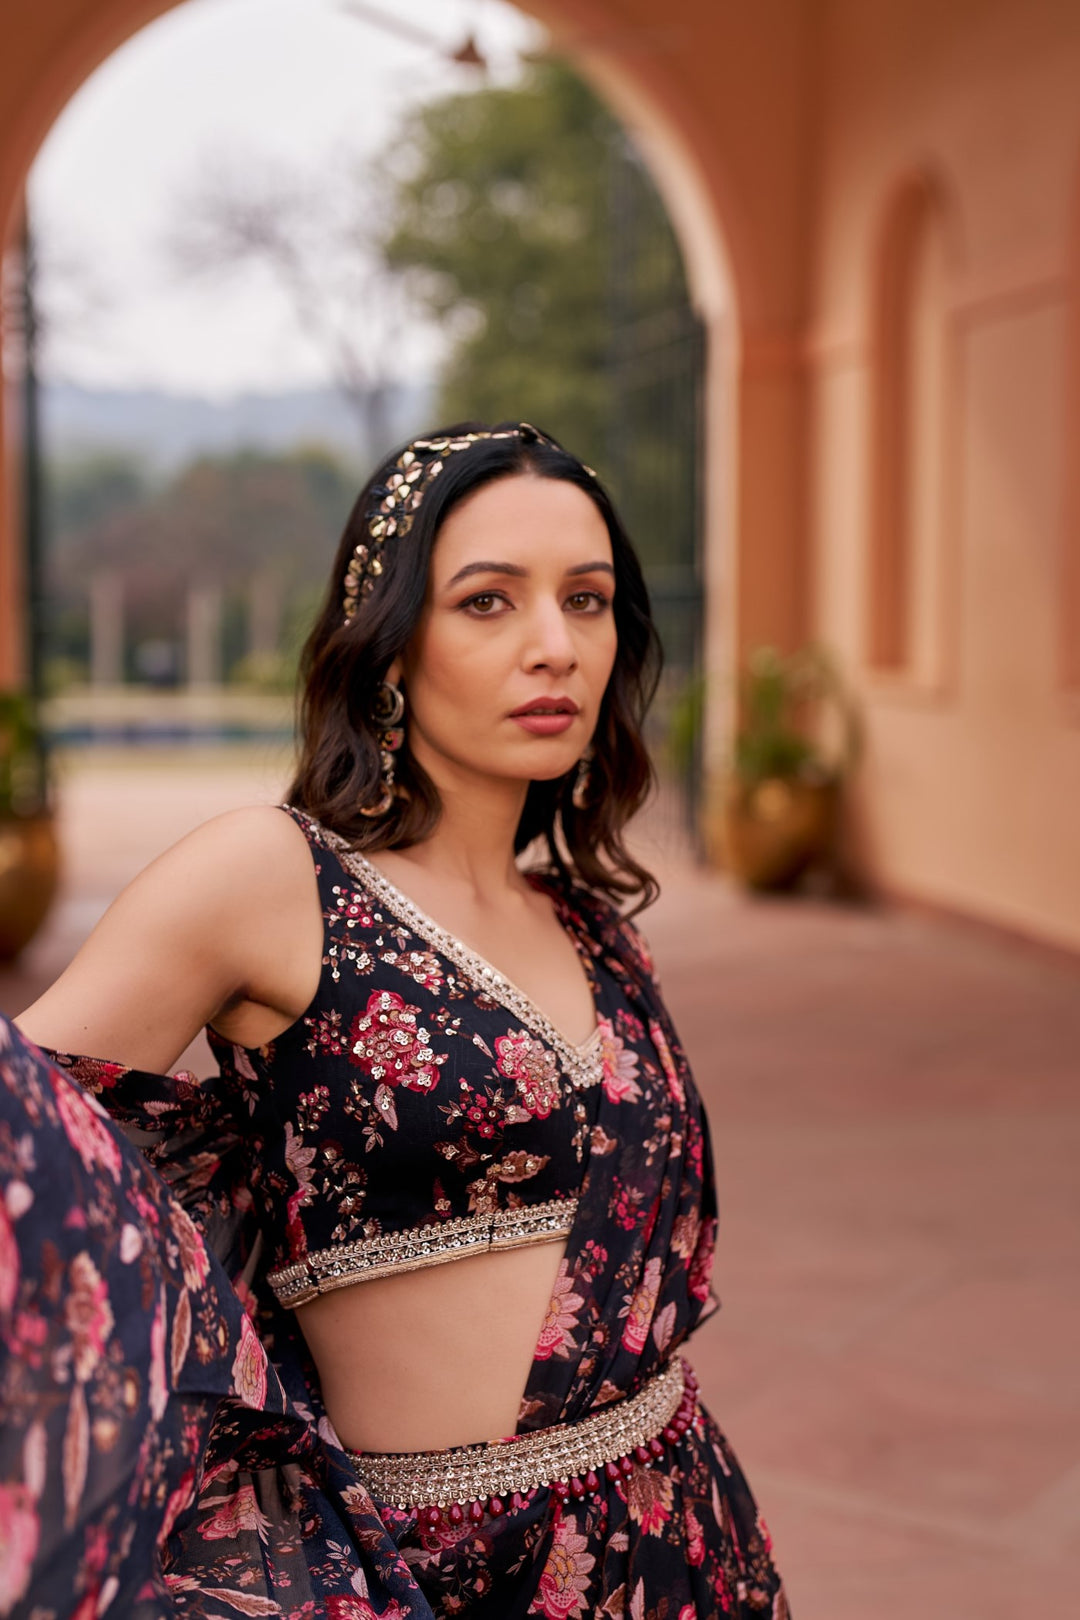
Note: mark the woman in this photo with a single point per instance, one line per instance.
(455, 1157)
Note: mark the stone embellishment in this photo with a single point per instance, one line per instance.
(397, 500)
(462, 1483)
(582, 1065)
(427, 1245)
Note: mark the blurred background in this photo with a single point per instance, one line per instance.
(801, 281)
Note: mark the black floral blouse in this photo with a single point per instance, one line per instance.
(422, 1108)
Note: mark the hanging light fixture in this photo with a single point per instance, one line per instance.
(467, 54)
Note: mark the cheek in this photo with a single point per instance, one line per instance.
(603, 653)
(450, 667)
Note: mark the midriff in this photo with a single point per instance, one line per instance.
(434, 1357)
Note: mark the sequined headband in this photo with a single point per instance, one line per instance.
(412, 476)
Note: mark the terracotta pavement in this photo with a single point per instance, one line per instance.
(895, 1115)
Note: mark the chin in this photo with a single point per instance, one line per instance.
(551, 776)
(543, 770)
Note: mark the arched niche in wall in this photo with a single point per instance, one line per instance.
(912, 402)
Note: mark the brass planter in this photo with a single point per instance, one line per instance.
(772, 830)
(29, 874)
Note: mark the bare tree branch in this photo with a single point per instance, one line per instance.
(315, 235)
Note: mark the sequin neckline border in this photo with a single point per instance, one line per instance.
(582, 1065)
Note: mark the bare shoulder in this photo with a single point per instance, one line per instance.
(229, 914)
(257, 847)
(262, 828)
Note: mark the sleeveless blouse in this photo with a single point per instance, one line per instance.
(422, 1108)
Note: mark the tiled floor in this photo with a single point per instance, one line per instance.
(895, 1113)
(895, 1108)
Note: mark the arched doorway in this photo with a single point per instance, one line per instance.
(751, 387)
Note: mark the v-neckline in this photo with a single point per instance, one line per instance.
(453, 946)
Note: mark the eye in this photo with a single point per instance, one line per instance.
(482, 604)
(588, 601)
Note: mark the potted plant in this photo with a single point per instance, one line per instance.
(781, 795)
(29, 850)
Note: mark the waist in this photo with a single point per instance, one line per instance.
(573, 1459)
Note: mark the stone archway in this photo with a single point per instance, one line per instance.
(722, 114)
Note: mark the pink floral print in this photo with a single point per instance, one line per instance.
(386, 1041)
(20, 1533)
(621, 1065)
(527, 1061)
(249, 1366)
(88, 1133)
(642, 1304)
(88, 1314)
(564, 1580)
(561, 1318)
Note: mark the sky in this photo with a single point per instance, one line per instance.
(226, 86)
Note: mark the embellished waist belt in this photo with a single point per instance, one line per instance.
(462, 1482)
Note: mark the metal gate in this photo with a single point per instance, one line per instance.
(655, 453)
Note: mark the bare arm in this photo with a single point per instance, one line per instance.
(225, 925)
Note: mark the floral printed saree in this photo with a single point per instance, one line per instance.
(281, 1517)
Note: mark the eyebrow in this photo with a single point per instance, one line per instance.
(518, 572)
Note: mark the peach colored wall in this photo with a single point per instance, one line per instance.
(971, 789)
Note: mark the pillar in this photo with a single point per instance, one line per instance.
(264, 614)
(205, 605)
(106, 629)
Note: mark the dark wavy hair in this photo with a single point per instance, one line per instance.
(342, 665)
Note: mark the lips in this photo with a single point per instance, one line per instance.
(554, 705)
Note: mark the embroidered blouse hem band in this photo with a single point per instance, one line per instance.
(427, 1245)
(628, 1431)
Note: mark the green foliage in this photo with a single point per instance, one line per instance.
(60, 673)
(87, 489)
(684, 723)
(227, 518)
(772, 739)
(23, 765)
(528, 224)
(278, 671)
(501, 218)
(264, 672)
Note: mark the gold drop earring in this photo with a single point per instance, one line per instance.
(387, 711)
(580, 791)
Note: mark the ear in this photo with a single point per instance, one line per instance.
(393, 674)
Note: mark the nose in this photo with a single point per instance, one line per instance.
(550, 641)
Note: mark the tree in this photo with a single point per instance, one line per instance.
(524, 216)
(313, 235)
(500, 219)
(263, 527)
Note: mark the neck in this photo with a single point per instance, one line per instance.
(473, 843)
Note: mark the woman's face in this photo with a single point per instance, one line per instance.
(518, 612)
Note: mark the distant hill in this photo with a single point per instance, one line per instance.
(167, 430)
